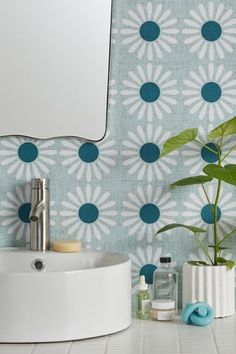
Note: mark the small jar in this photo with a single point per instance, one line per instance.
(163, 310)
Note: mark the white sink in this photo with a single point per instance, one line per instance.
(76, 295)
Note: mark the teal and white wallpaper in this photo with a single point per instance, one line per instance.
(172, 67)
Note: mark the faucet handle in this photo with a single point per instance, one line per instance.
(40, 183)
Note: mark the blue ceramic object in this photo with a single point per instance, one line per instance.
(198, 314)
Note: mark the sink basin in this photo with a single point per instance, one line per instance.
(70, 296)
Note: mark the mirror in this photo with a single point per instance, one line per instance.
(54, 61)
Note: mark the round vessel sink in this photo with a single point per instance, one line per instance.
(50, 296)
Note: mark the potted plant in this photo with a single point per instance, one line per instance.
(211, 280)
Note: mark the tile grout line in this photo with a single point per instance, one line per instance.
(106, 347)
(143, 338)
(69, 348)
(33, 348)
(214, 339)
(177, 339)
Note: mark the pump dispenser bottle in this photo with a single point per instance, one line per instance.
(143, 300)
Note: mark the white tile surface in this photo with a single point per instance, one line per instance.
(224, 334)
(146, 337)
(195, 340)
(16, 348)
(90, 346)
(129, 341)
(52, 348)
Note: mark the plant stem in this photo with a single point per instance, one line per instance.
(205, 192)
(226, 237)
(216, 239)
(205, 146)
(204, 248)
(221, 143)
(227, 154)
(200, 242)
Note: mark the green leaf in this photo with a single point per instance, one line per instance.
(231, 168)
(197, 263)
(191, 180)
(229, 263)
(221, 260)
(226, 173)
(225, 129)
(179, 140)
(194, 229)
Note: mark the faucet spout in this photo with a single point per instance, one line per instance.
(39, 215)
(36, 211)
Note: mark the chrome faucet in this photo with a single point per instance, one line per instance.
(39, 215)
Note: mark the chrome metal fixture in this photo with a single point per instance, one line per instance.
(39, 215)
(38, 265)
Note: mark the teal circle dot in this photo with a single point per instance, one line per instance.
(149, 31)
(88, 152)
(147, 270)
(207, 214)
(149, 92)
(149, 213)
(208, 155)
(28, 152)
(211, 31)
(88, 213)
(149, 152)
(211, 92)
(23, 213)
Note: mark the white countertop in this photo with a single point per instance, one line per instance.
(146, 337)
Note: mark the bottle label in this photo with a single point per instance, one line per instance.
(163, 292)
(145, 306)
(165, 315)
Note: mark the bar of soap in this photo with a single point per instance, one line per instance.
(66, 246)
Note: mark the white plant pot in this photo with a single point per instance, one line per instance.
(212, 284)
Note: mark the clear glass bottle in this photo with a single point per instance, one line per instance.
(165, 281)
(143, 304)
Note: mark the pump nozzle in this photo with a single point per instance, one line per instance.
(142, 283)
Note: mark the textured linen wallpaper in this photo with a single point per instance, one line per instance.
(172, 67)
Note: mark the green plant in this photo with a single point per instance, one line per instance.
(219, 172)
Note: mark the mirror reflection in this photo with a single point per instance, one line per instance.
(54, 61)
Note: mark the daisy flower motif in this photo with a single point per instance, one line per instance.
(144, 262)
(142, 152)
(210, 92)
(114, 31)
(27, 159)
(197, 156)
(53, 213)
(200, 212)
(88, 213)
(87, 159)
(15, 213)
(112, 92)
(149, 31)
(147, 211)
(150, 93)
(211, 31)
